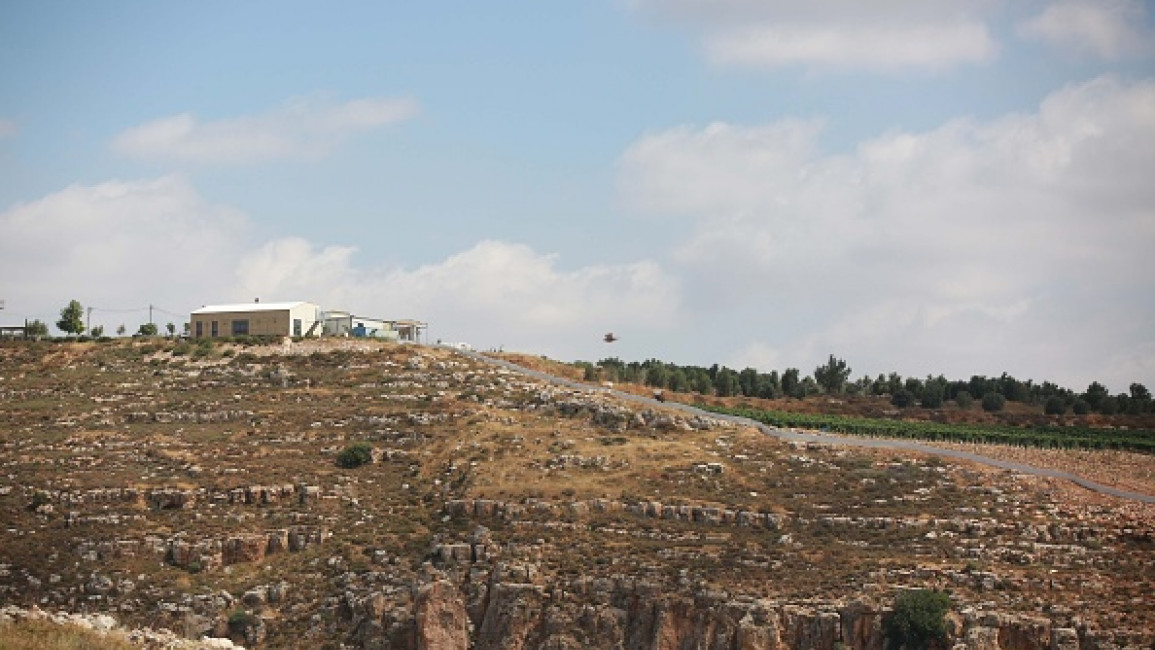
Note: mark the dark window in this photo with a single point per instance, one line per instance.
(296, 327)
(200, 329)
(216, 333)
(240, 328)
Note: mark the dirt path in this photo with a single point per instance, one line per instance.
(831, 439)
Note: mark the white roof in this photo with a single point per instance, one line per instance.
(249, 306)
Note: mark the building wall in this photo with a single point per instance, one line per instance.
(278, 322)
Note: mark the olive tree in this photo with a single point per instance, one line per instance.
(71, 318)
(919, 619)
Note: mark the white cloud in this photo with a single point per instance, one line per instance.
(302, 129)
(836, 34)
(491, 294)
(1021, 244)
(845, 46)
(1110, 29)
(116, 245)
(125, 245)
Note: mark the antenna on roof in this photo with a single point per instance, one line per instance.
(256, 299)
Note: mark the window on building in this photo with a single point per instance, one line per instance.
(215, 330)
(296, 327)
(200, 329)
(241, 327)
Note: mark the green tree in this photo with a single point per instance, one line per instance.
(748, 382)
(71, 318)
(148, 329)
(97, 331)
(902, 398)
(769, 385)
(893, 383)
(1095, 395)
(915, 386)
(1109, 405)
(121, 330)
(832, 375)
(701, 382)
(791, 383)
(919, 619)
(171, 329)
(1080, 406)
(355, 455)
(964, 399)
(35, 329)
(1055, 405)
(993, 402)
(932, 395)
(1140, 393)
(726, 383)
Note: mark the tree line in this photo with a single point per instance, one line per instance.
(72, 324)
(833, 378)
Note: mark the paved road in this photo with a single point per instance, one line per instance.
(823, 438)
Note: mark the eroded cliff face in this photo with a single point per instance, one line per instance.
(623, 613)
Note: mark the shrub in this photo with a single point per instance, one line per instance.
(355, 455)
(240, 620)
(964, 399)
(1081, 407)
(919, 618)
(993, 402)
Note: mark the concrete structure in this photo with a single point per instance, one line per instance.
(256, 319)
(410, 330)
(342, 323)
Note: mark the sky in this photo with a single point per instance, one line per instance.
(916, 186)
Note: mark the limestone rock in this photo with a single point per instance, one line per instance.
(442, 623)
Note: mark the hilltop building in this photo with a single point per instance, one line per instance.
(256, 319)
(296, 319)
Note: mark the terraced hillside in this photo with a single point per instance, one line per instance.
(199, 490)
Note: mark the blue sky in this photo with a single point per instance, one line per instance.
(911, 185)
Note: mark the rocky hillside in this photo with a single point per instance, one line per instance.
(198, 490)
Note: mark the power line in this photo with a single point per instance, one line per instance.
(119, 311)
(165, 311)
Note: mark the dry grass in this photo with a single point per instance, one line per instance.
(1120, 469)
(45, 635)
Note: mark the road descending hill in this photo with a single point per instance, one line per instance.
(212, 490)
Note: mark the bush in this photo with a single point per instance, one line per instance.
(993, 402)
(1055, 405)
(964, 399)
(1081, 407)
(902, 398)
(919, 618)
(240, 621)
(355, 455)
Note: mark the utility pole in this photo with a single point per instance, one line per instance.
(150, 314)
